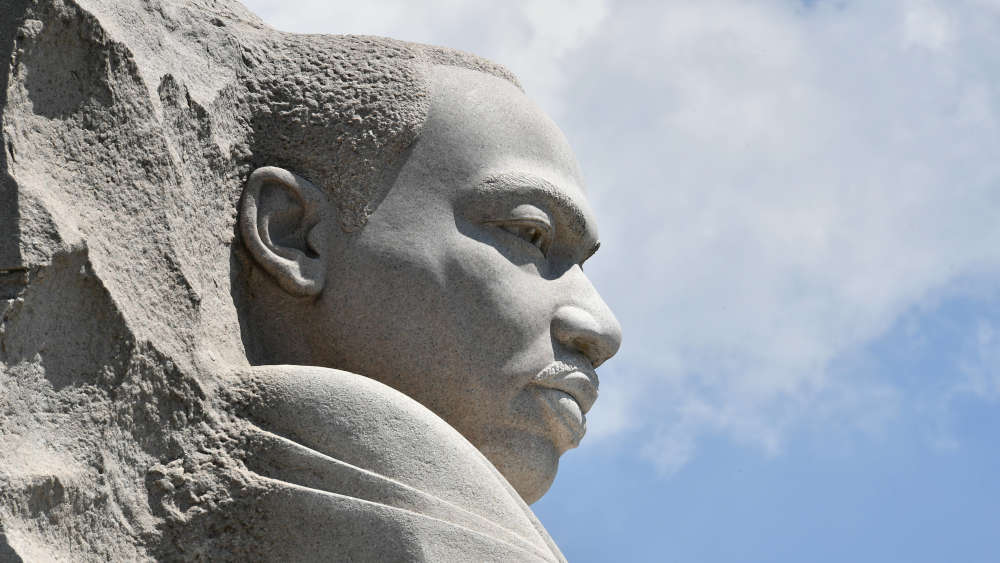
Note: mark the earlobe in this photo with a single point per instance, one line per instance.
(278, 213)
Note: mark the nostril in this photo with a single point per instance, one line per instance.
(597, 354)
(595, 348)
(580, 331)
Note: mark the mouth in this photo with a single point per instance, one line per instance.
(574, 377)
(569, 389)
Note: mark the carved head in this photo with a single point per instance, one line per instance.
(417, 220)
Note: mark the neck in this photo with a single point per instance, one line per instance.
(273, 323)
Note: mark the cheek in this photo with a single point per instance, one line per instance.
(504, 306)
(386, 306)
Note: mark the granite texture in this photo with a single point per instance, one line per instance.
(268, 296)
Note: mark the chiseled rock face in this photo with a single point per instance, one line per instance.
(280, 297)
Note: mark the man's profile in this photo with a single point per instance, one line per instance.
(415, 337)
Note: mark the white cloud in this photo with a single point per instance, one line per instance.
(528, 36)
(927, 25)
(617, 412)
(980, 367)
(782, 184)
(777, 184)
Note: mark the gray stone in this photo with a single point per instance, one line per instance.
(269, 296)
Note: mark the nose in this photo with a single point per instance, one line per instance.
(586, 324)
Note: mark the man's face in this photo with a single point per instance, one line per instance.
(465, 289)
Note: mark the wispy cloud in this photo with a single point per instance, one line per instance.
(980, 367)
(782, 183)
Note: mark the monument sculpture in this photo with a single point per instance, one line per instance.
(268, 296)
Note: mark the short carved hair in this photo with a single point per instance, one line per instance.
(342, 110)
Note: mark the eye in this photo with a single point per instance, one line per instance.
(535, 234)
(533, 231)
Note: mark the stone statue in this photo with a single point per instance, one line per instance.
(280, 297)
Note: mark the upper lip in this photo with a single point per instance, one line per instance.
(572, 376)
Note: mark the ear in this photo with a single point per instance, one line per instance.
(279, 216)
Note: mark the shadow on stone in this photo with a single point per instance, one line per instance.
(68, 320)
(10, 257)
(7, 553)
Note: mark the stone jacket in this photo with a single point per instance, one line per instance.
(355, 470)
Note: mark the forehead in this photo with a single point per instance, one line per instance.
(481, 128)
(475, 110)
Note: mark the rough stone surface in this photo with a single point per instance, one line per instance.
(267, 296)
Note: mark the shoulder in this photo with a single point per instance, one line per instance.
(325, 408)
(341, 433)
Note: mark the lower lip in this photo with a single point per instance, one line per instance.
(571, 423)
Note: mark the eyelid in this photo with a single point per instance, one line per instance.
(529, 221)
(525, 214)
(539, 222)
(529, 212)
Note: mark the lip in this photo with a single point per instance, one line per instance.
(574, 377)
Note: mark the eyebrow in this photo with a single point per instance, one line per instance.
(536, 187)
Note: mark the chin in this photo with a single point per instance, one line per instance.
(528, 462)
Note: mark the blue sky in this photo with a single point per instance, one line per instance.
(800, 212)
